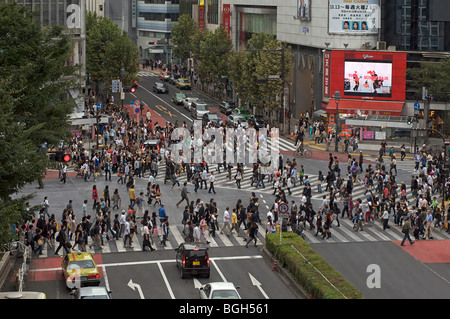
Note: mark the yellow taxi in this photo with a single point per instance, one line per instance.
(183, 83)
(79, 269)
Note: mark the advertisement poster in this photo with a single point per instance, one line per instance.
(303, 9)
(380, 135)
(353, 16)
(326, 73)
(368, 78)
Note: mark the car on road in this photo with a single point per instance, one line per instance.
(22, 295)
(192, 259)
(178, 98)
(188, 101)
(80, 268)
(241, 111)
(173, 78)
(91, 293)
(164, 76)
(235, 120)
(198, 108)
(219, 290)
(257, 121)
(159, 87)
(227, 107)
(183, 84)
(211, 117)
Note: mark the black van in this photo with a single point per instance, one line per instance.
(193, 259)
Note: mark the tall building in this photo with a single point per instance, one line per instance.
(154, 20)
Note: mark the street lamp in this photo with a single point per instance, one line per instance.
(337, 97)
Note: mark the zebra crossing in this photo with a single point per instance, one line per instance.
(176, 237)
(373, 231)
(146, 74)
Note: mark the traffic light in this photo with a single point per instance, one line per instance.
(409, 120)
(60, 156)
(131, 89)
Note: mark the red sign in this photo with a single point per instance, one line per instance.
(201, 17)
(226, 18)
(366, 75)
(326, 74)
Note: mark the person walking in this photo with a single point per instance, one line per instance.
(212, 179)
(62, 239)
(385, 218)
(203, 228)
(252, 235)
(226, 221)
(184, 195)
(165, 231)
(146, 237)
(127, 234)
(94, 196)
(405, 230)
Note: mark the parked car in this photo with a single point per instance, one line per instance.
(244, 112)
(211, 117)
(178, 98)
(219, 290)
(234, 119)
(192, 259)
(173, 78)
(164, 76)
(159, 87)
(227, 107)
(188, 101)
(183, 84)
(91, 293)
(198, 108)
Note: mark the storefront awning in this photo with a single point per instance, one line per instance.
(364, 107)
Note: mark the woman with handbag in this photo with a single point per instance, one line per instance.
(116, 199)
(94, 196)
(39, 239)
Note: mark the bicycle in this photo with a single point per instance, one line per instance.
(303, 153)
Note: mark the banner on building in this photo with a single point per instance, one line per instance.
(326, 73)
(303, 9)
(201, 16)
(226, 17)
(353, 16)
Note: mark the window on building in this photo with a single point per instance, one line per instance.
(213, 12)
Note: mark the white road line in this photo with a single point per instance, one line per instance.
(218, 270)
(169, 289)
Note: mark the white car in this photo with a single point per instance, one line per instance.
(219, 290)
(187, 102)
(91, 293)
(198, 109)
(22, 295)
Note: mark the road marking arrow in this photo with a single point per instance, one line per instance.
(197, 283)
(133, 286)
(256, 283)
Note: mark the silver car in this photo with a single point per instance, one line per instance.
(199, 108)
(236, 119)
(219, 290)
(188, 101)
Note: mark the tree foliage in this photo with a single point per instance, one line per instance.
(247, 67)
(182, 34)
(434, 76)
(34, 74)
(108, 50)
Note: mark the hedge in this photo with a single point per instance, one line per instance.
(308, 272)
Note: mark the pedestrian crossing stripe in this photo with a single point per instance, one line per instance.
(176, 237)
(146, 73)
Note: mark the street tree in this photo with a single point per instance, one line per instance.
(434, 76)
(34, 75)
(108, 50)
(182, 34)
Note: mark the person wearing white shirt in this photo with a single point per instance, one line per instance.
(212, 179)
(226, 220)
(122, 221)
(204, 178)
(127, 233)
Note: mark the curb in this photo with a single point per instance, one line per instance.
(286, 276)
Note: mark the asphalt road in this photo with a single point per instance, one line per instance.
(156, 272)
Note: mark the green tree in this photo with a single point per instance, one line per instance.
(33, 77)
(434, 76)
(108, 50)
(213, 58)
(35, 74)
(253, 64)
(182, 34)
